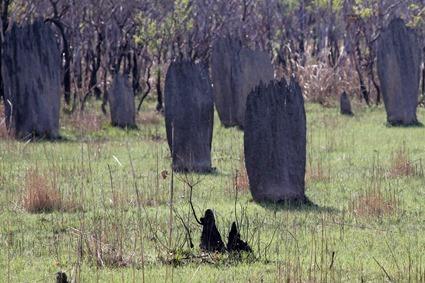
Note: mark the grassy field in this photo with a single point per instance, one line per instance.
(109, 192)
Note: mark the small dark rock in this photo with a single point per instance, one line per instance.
(235, 243)
(210, 238)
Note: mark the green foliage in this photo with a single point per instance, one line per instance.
(170, 23)
(418, 16)
(324, 4)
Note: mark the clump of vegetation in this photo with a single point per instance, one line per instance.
(105, 255)
(403, 166)
(316, 172)
(39, 195)
(42, 196)
(4, 133)
(375, 202)
(323, 83)
(86, 122)
(241, 182)
(150, 118)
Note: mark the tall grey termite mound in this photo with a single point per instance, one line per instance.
(189, 116)
(275, 143)
(399, 59)
(345, 104)
(121, 103)
(32, 81)
(236, 71)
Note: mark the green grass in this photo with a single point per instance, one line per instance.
(352, 161)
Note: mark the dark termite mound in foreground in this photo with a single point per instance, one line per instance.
(61, 277)
(211, 240)
(189, 116)
(235, 243)
(31, 73)
(275, 143)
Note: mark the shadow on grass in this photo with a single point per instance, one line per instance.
(305, 205)
(397, 124)
(199, 172)
(109, 133)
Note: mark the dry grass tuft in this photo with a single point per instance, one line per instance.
(39, 195)
(374, 203)
(401, 165)
(86, 122)
(323, 84)
(317, 173)
(124, 201)
(103, 247)
(150, 118)
(241, 181)
(4, 133)
(105, 255)
(42, 197)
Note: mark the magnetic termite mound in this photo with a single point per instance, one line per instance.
(189, 116)
(345, 105)
(235, 71)
(399, 63)
(31, 73)
(121, 103)
(275, 143)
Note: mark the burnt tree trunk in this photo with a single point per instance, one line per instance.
(66, 60)
(135, 71)
(159, 104)
(94, 60)
(357, 62)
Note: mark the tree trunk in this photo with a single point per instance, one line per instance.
(357, 61)
(135, 74)
(66, 54)
(159, 104)
(95, 64)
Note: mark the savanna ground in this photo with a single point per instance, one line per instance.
(106, 193)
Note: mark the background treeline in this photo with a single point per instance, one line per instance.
(328, 44)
